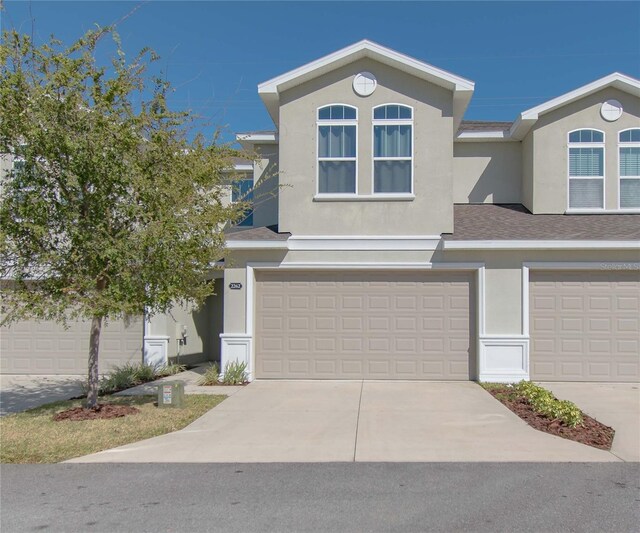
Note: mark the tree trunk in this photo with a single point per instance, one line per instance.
(94, 345)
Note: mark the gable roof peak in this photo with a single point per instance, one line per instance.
(462, 88)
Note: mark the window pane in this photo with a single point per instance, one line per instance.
(323, 141)
(337, 177)
(630, 193)
(584, 194)
(393, 111)
(630, 161)
(405, 112)
(349, 141)
(349, 113)
(324, 113)
(392, 176)
(586, 136)
(378, 113)
(335, 141)
(242, 191)
(337, 112)
(392, 141)
(586, 162)
(630, 136)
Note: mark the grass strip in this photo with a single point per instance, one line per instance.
(33, 437)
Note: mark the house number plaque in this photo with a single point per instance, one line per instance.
(235, 286)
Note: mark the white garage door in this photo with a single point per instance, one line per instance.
(585, 326)
(30, 347)
(355, 325)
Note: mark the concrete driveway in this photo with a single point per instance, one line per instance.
(18, 393)
(614, 404)
(321, 421)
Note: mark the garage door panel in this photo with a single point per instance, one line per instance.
(354, 325)
(585, 326)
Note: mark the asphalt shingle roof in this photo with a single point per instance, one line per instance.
(268, 233)
(514, 222)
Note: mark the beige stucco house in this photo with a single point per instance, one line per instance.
(392, 239)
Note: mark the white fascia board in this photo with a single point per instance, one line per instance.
(311, 243)
(485, 136)
(616, 79)
(527, 118)
(243, 168)
(364, 242)
(256, 245)
(357, 50)
(542, 245)
(257, 138)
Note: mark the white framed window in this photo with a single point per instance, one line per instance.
(586, 169)
(337, 149)
(242, 190)
(629, 168)
(393, 149)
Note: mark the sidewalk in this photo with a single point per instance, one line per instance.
(189, 378)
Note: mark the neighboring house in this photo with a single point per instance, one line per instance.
(391, 239)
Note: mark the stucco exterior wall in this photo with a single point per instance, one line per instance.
(487, 172)
(266, 185)
(549, 167)
(204, 324)
(431, 212)
(527, 172)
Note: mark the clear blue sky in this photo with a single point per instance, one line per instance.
(215, 53)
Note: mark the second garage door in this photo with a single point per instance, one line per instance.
(585, 326)
(355, 325)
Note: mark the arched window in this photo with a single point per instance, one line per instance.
(629, 166)
(393, 149)
(586, 169)
(337, 149)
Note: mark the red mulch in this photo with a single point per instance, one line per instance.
(591, 433)
(103, 411)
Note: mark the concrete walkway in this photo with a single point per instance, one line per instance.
(614, 404)
(321, 421)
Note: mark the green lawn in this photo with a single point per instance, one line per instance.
(33, 436)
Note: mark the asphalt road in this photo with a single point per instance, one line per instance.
(320, 497)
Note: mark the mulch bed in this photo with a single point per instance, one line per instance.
(103, 411)
(591, 433)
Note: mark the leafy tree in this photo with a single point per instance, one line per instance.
(112, 209)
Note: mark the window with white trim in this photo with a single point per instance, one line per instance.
(586, 169)
(337, 149)
(242, 191)
(629, 167)
(392, 149)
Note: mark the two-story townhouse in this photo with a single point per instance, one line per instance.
(392, 239)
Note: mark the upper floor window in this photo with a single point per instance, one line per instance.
(337, 149)
(242, 190)
(393, 149)
(586, 169)
(629, 156)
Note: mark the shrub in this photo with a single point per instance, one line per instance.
(235, 373)
(544, 402)
(124, 377)
(211, 375)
